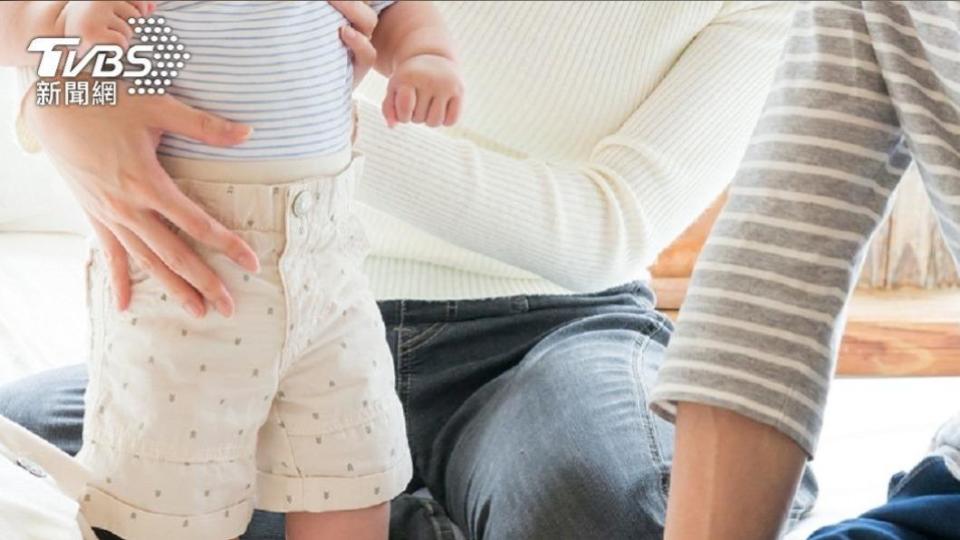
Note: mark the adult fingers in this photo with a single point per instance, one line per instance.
(188, 297)
(364, 54)
(172, 115)
(438, 109)
(453, 112)
(183, 261)
(117, 265)
(189, 217)
(359, 14)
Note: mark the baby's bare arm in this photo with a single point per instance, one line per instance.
(415, 50)
(408, 29)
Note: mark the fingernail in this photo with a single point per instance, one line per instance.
(225, 307)
(349, 31)
(195, 309)
(250, 262)
(239, 130)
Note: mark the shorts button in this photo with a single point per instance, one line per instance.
(303, 203)
(31, 467)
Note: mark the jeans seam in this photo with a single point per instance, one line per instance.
(403, 379)
(434, 523)
(926, 463)
(638, 369)
(426, 336)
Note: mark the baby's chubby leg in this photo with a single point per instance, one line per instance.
(363, 524)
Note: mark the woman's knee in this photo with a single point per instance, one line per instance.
(567, 447)
(572, 492)
(50, 404)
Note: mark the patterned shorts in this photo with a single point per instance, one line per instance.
(287, 406)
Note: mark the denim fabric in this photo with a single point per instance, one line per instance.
(923, 504)
(527, 418)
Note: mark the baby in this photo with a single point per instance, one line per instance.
(289, 405)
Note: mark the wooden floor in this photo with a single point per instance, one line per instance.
(888, 334)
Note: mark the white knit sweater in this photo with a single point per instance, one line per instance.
(593, 134)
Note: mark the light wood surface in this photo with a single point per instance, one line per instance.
(670, 292)
(908, 332)
(902, 332)
(909, 250)
(905, 317)
(897, 348)
(678, 259)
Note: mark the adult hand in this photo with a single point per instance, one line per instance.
(356, 36)
(108, 157)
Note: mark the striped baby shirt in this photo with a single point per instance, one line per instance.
(277, 66)
(863, 89)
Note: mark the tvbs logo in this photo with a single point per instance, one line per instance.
(152, 63)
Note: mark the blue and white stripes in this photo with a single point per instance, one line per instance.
(278, 66)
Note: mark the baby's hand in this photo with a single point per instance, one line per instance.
(102, 22)
(425, 88)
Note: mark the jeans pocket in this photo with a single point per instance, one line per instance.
(415, 338)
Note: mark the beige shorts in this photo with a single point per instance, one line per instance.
(287, 406)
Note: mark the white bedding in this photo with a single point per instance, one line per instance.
(42, 318)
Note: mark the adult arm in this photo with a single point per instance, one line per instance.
(107, 155)
(592, 223)
(757, 336)
(356, 35)
(732, 477)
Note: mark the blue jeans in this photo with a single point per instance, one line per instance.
(527, 417)
(922, 504)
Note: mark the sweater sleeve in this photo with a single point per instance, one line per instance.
(588, 224)
(759, 330)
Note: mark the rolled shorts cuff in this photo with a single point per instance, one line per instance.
(105, 511)
(329, 494)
